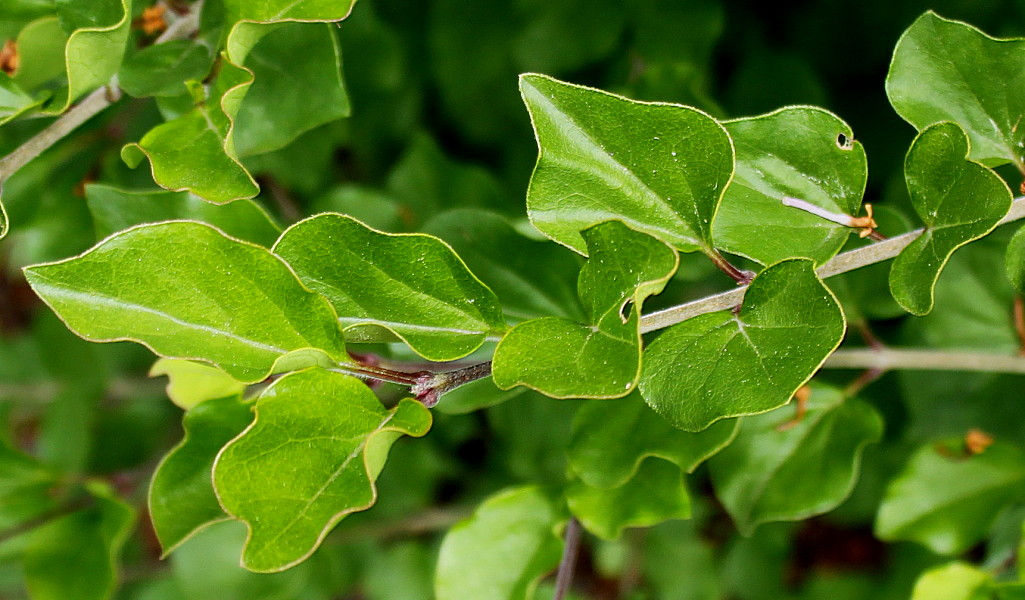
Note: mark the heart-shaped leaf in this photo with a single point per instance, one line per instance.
(611, 440)
(660, 168)
(722, 364)
(181, 494)
(947, 500)
(959, 201)
(186, 290)
(1016, 261)
(413, 285)
(946, 70)
(655, 493)
(517, 529)
(311, 457)
(798, 152)
(600, 359)
(781, 469)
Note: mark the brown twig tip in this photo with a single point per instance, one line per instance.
(976, 441)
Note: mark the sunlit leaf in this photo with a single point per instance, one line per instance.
(953, 581)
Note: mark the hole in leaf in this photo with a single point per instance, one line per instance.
(843, 142)
(624, 311)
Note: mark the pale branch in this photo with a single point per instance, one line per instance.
(88, 107)
(887, 359)
(841, 263)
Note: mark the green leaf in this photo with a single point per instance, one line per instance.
(1016, 261)
(601, 359)
(162, 69)
(722, 364)
(97, 33)
(190, 383)
(567, 36)
(612, 439)
(25, 487)
(946, 70)
(500, 552)
(507, 262)
(798, 152)
(181, 495)
(76, 556)
(945, 500)
(329, 424)
(272, 11)
(14, 101)
(297, 86)
(185, 290)
(656, 493)
(660, 168)
(412, 285)
(115, 209)
(957, 199)
(776, 472)
(953, 581)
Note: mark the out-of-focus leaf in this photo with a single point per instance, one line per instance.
(601, 359)
(332, 427)
(518, 529)
(412, 285)
(1016, 261)
(722, 364)
(25, 486)
(181, 494)
(203, 296)
(953, 581)
(957, 199)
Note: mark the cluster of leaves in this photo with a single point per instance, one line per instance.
(559, 400)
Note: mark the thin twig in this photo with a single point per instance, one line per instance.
(887, 359)
(429, 521)
(841, 263)
(568, 564)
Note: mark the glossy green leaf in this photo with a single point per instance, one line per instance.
(76, 555)
(611, 440)
(508, 263)
(656, 493)
(271, 11)
(957, 199)
(798, 152)
(945, 70)
(190, 383)
(953, 581)
(25, 486)
(946, 500)
(330, 426)
(660, 168)
(500, 552)
(185, 290)
(413, 285)
(162, 69)
(97, 33)
(181, 494)
(114, 209)
(776, 472)
(297, 86)
(722, 364)
(1016, 261)
(566, 359)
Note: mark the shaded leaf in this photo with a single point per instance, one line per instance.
(115, 209)
(332, 426)
(412, 285)
(14, 101)
(25, 487)
(722, 364)
(799, 152)
(517, 527)
(946, 500)
(611, 440)
(660, 168)
(185, 290)
(76, 556)
(953, 581)
(958, 200)
(181, 494)
(162, 69)
(1016, 261)
(601, 359)
(770, 474)
(654, 494)
(945, 70)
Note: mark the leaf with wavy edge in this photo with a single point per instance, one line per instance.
(413, 285)
(310, 458)
(958, 200)
(660, 168)
(563, 358)
(721, 365)
(181, 497)
(186, 290)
